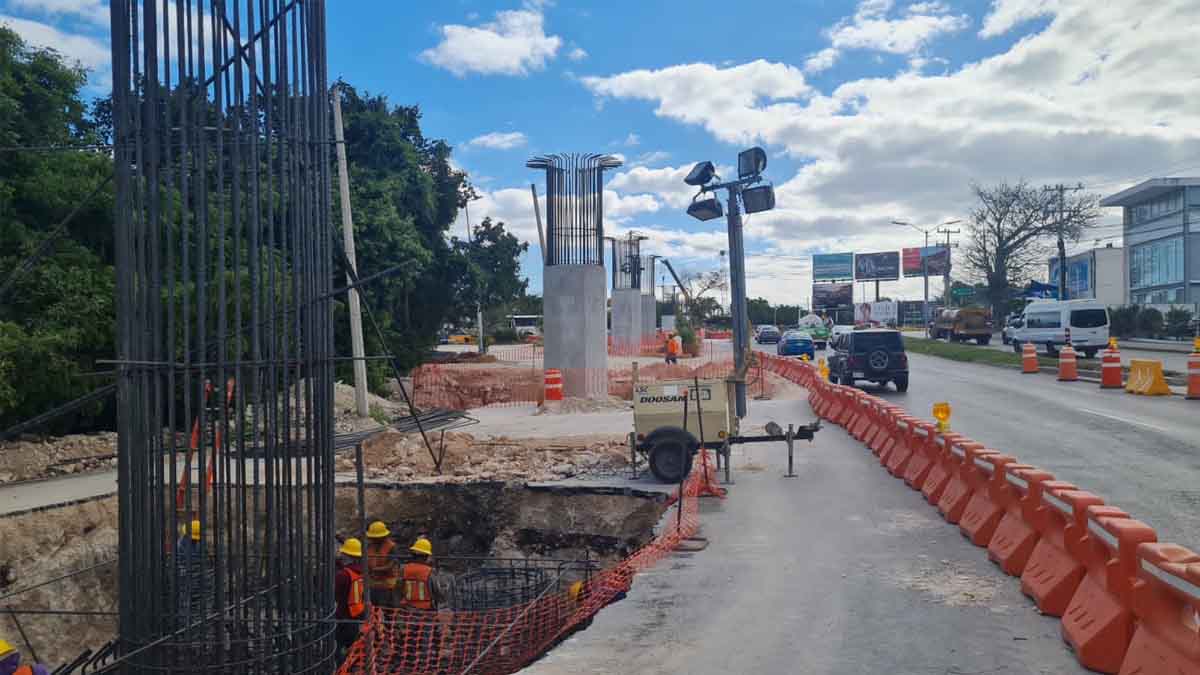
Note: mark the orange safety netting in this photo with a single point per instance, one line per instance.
(505, 640)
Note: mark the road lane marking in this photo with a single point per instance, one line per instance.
(1121, 419)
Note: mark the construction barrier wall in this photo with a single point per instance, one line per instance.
(1128, 604)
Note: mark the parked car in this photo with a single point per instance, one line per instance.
(960, 325)
(767, 334)
(874, 354)
(1046, 322)
(796, 343)
(1010, 326)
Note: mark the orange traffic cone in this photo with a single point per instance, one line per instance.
(1193, 390)
(1029, 361)
(1110, 367)
(1068, 370)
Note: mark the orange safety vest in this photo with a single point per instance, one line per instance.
(385, 573)
(23, 670)
(355, 604)
(672, 347)
(417, 593)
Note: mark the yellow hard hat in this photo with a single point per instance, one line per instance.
(422, 546)
(195, 530)
(574, 591)
(5, 649)
(378, 530)
(352, 547)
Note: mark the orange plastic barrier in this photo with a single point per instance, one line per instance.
(554, 385)
(1015, 535)
(900, 453)
(851, 406)
(1166, 602)
(1029, 361)
(1098, 622)
(965, 479)
(1052, 573)
(889, 432)
(1068, 365)
(1110, 370)
(944, 467)
(926, 448)
(987, 504)
(867, 416)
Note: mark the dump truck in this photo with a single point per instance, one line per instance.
(960, 325)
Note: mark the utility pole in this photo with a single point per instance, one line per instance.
(356, 334)
(924, 260)
(1062, 244)
(946, 280)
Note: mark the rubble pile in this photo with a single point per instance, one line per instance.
(390, 455)
(463, 387)
(32, 457)
(573, 406)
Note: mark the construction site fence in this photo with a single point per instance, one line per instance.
(503, 640)
(1128, 603)
(467, 386)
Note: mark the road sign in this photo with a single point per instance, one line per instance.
(963, 292)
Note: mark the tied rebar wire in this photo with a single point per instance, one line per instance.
(574, 206)
(224, 318)
(647, 280)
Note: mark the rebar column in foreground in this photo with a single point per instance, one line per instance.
(225, 341)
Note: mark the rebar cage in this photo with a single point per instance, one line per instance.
(647, 280)
(224, 320)
(627, 263)
(496, 583)
(574, 206)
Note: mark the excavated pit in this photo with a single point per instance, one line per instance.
(465, 521)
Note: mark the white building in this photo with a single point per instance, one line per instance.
(1099, 274)
(1162, 234)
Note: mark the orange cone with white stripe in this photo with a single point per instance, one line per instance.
(1193, 389)
(554, 384)
(1110, 367)
(1068, 367)
(1029, 361)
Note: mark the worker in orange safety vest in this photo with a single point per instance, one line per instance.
(350, 592)
(383, 565)
(418, 576)
(674, 345)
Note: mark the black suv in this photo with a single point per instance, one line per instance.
(876, 354)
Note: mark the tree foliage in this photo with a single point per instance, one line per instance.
(1011, 228)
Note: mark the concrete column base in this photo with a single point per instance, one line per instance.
(575, 327)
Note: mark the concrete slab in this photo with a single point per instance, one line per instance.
(844, 570)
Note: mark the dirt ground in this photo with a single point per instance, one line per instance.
(404, 457)
(57, 456)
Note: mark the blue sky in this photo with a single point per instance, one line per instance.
(870, 111)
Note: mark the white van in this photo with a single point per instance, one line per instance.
(1047, 322)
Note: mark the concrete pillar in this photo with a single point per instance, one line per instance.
(627, 318)
(649, 320)
(575, 318)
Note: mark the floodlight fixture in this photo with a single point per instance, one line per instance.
(705, 209)
(756, 199)
(752, 162)
(701, 174)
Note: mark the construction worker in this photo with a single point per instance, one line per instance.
(418, 576)
(672, 349)
(383, 565)
(350, 591)
(10, 663)
(194, 572)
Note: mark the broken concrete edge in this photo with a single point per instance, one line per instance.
(58, 505)
(559, 489)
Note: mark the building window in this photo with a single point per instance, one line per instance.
(1156, 264)
(1169, 296)
(1158, 208)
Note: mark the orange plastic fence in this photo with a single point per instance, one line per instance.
(1128, 606)
(505, 640)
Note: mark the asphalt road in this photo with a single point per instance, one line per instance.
(1139, 453)
(1171, 360)
(843, 570)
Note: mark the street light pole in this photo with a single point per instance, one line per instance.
(737, 283)
(924, 261)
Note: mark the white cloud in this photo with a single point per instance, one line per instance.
(1005, 15)
(498, 140)
(89, 52)
(1086, 98)
(92, 11)
(647, 158)
(514, 43)
(822, 60)
(870, 28)
(632, 139)
(577, 54)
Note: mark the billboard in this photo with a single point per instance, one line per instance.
(1079, 276)
(832, 296)
(877, 266)
(935, 259)
(876, 313)
(833, 266)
